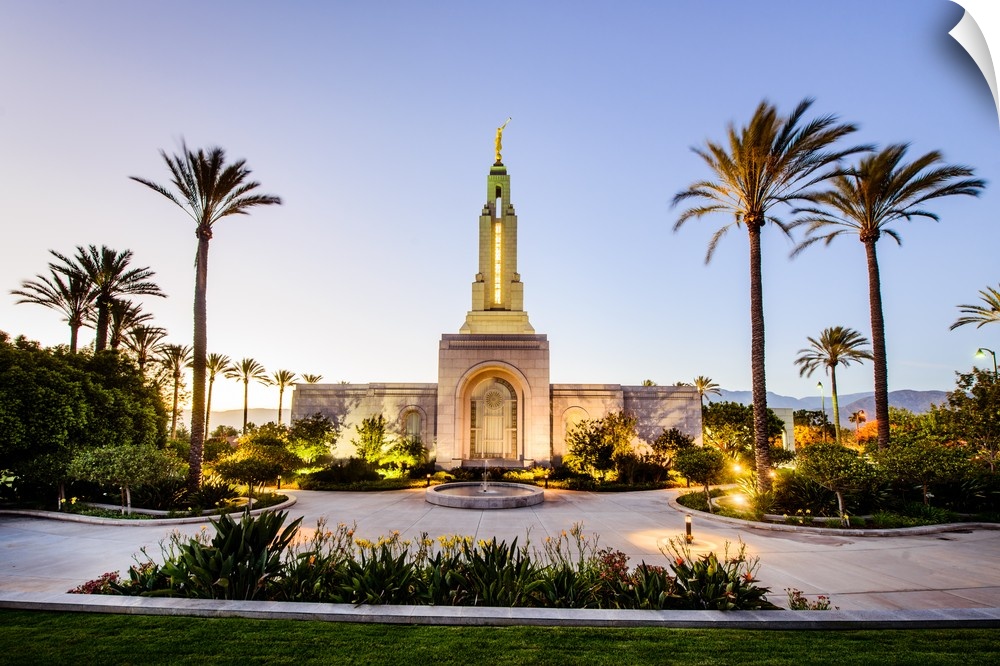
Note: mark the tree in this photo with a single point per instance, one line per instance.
(598, 446)
(246, 370)
(124, 315)
(974, 410)
(142, 341)
(68, 293)
(729, 427)
(702, 465)
(312, 437)
(836, 468)
(648, 382)
(706, 387)
(770, 161)
(282, 379)
(110, 278)
(668, 444)
(837, 345)
(922, 462)
(866, 201)
(175, 358)
(256, 463)
(125, 467)
(858, 418)
(214, 364)
(372, 441)
(207, 190)
(980, 314)
(312, 379)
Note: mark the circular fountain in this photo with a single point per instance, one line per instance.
(485, 495)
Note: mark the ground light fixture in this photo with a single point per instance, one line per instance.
(981, 353)
(546, 480)
(428, 480)
(279, 482)
(687, 529)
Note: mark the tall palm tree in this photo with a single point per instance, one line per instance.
(123, 314)
(865, 201)
(857, 418)
(282, 379)
(175, 358)
(246, 371)
(207, 189)
(837, 345)
(980, 314)
(69, 293)
(312, 379)
(706, 386)
(110, 278)
(772, 160)
(214, 364)
(142, 340)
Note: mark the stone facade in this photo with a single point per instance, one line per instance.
(493, 399)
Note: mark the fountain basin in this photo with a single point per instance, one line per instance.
(498, 495)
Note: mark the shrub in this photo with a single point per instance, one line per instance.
(707, 583)
(702, 465)
(352, 470)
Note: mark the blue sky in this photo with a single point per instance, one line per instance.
(375, 123)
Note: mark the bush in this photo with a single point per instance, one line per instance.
(353, 470)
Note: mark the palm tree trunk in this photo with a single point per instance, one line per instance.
(762, 447)
(878, 346)
(173, 411)
(102, 325)
(836, 404)
(74, 330)
(246, 392)
(199, 360)
(208, 405)
(281, 398)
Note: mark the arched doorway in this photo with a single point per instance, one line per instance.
(493, 420)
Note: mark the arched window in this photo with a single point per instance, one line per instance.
(412, 425)
(494, 420)
(572, 418)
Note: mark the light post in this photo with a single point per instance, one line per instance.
(822, 399)
(688, 537)
(982, 351)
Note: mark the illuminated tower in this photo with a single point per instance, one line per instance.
(497, 293)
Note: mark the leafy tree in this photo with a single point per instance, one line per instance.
(729, 427)
(254, 464)
(836, 468)
(372, 440)
(923, 463)
(67, 292)
(125, 467)
(246, 371)
(598, 446)
(771, 161)
(404, 454)
(312, 437)
(668, 444)
(983, 314)
(837, 345)
(207, 190)
(225, 431)
(701, 464)
(214, 364)
(282, 379)
(974, 411)
(175, 358)
(110, 278)
(866, 201)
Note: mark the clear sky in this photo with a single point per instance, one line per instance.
(375, 121)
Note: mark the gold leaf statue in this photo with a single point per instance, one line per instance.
(499, 142)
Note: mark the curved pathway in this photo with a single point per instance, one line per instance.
(931, 571)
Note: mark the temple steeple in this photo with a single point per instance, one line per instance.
(497, 293)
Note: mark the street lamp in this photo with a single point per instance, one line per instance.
(982, 351)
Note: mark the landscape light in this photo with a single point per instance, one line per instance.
(428, 480)
(687, 528)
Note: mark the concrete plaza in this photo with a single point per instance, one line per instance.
(942, 570)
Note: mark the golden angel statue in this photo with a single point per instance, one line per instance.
(499, 142)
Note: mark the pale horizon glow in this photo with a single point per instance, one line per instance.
(375, 124)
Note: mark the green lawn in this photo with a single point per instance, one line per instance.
(55, 638)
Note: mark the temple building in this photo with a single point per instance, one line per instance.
(494, 399)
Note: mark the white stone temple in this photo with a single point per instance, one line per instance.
(493, 399)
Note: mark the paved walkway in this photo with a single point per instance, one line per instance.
(934, 571)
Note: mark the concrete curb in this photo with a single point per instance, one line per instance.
(142, 522)
(967, 618)
(834, 531)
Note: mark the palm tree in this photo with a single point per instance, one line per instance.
(282, 379)
(214, 364)
(110, 278)
(705, 387)
(246, 370)
(312, 379)
(175, 358)
(68, 293)
(836, 346)
(865, 201)
(857, 418)
(770, 161)
(124, 315)
(207, 189)
(142, 341)
(980, 314)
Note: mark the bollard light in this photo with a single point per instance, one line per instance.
(687, 529)
(546, 480)
(428, 480)
(279, 482)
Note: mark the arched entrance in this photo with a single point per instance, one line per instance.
(493, 417)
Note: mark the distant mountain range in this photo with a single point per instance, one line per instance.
(917, 402)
